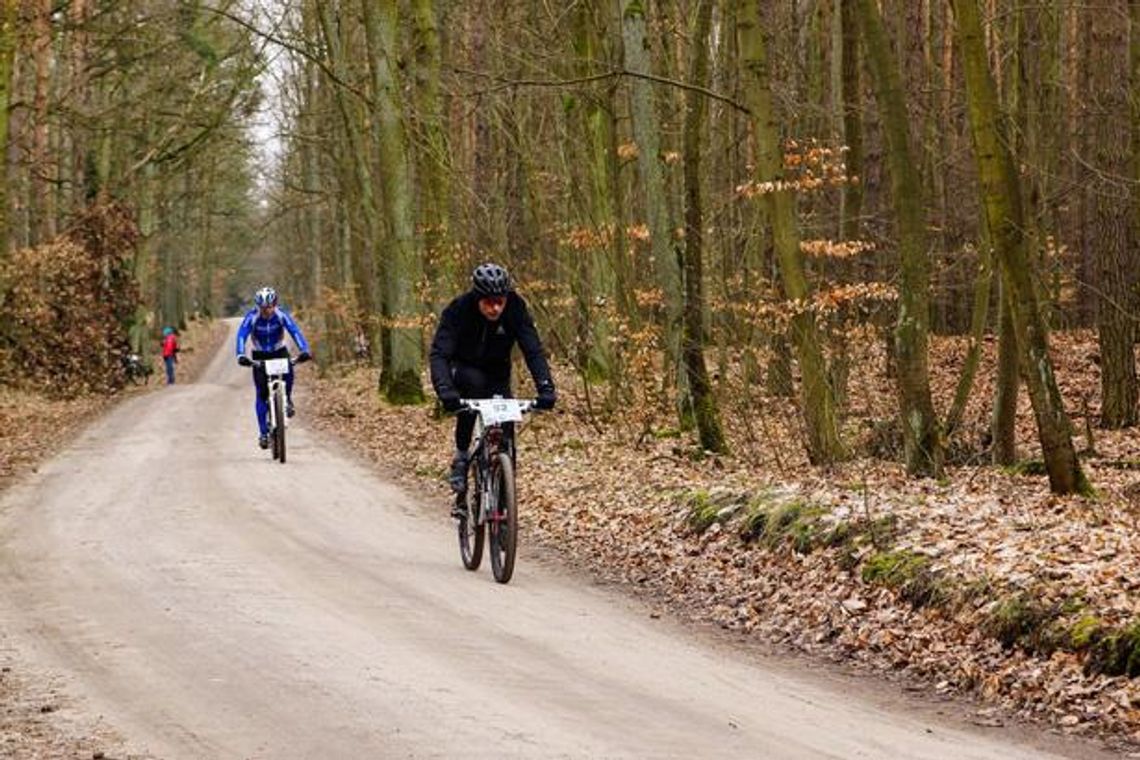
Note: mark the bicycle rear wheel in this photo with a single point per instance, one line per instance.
(279, 427)
(504, 520)
(470, 531)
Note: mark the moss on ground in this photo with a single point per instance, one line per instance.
(1116, 653)
(910, 574)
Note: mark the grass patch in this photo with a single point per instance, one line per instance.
(1116, 653)
(755, 520)
(704, 509)
(910, 574)
(1017, 620)
(1035, 467)
(1085, 632)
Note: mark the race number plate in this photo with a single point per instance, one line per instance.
(277, 366)
(497, 412)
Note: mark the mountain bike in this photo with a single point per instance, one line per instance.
(275, 372)
(489, 497)
(135, 369)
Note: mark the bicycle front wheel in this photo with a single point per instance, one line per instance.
(470, 529)
(279, 428)
(504, 521)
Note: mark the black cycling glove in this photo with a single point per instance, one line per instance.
(245, 361)
(449, 400)
(303, 357)
(546, 395)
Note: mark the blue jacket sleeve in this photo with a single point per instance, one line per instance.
(294, 330)
(243, 333)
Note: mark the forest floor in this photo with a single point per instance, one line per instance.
(981, 584)
(35, 722)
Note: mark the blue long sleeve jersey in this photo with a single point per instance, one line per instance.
(269, 334)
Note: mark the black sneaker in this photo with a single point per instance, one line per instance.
(289, 410)
(459, 508)
(263, 441)
(458, 477)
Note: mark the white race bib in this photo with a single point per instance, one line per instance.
(277, 366)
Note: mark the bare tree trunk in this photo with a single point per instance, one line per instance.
(922, 438)
(1112, 218)
(356, 163)
(594, 126)
(1001, 195)
(645, 132)
(851, 205)
(817, 399)
(979, 317)
(705, 409)
(434, 147)
(404, 272)
(8, 9)
(41, 203)
(1003, 423)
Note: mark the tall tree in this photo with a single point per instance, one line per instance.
(851, 99)
(922, 438)
(404, 273)
(705, 409)
(8, 32)
(1001, 196)
(646, 134)
(817, 396)
(1113, 221)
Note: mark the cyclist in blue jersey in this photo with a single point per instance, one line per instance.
(266, 324)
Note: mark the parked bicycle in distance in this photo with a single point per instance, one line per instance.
(135, 370)
(489, 498)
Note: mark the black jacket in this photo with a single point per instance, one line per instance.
(465, 336)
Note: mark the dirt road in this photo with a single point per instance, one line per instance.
(209, 603)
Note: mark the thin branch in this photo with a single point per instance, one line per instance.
(503, 83)
(277, 40)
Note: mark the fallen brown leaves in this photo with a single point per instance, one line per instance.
(621, 503)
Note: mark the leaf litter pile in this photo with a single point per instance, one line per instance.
(981, 584)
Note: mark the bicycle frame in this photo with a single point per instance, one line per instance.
(275, 372)
(488, 439)
(490, 503)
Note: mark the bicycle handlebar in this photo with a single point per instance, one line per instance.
(525, 404)
(253, 363)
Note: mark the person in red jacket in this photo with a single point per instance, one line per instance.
(169, 352)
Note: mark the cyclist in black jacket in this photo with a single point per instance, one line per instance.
(471, 354)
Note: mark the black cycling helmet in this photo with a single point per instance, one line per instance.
(490, 280)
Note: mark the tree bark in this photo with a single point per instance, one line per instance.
(404, 271)
(1112, 218)
(705, 411)
(851, 204)
(434, 149)
(922, 438)
(596, 272)
(645, 132)
(1003, 422)
(8, 13)
(355, 165)
(1001, 196)
(817, 399)
(41, 203)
